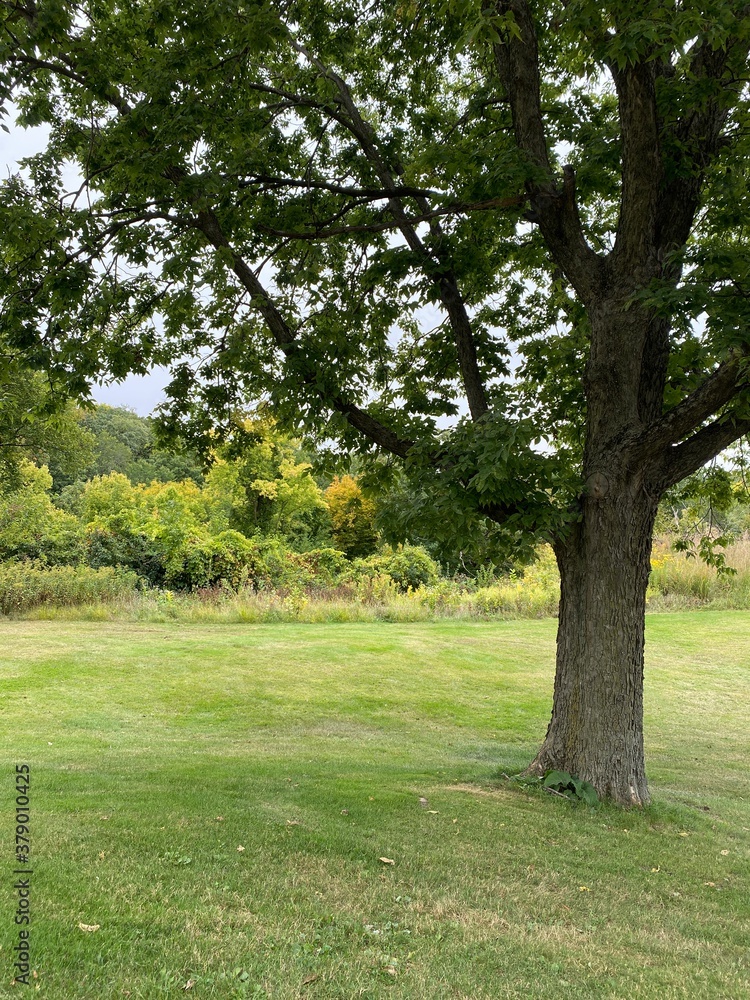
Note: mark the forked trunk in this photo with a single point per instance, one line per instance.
(596, 731)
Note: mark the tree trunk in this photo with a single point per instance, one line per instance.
(596, 730)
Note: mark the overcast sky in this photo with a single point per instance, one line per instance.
(140, 393)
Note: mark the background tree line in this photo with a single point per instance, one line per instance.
(99, 487)
(114, 496)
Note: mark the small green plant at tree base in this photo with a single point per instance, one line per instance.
(570, 786)
(559, 783)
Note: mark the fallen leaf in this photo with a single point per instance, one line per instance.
(89, 927)
(656, 869)
(725, 853)
(583, 888)
(310, 979)
(344, 812)
(240, 848)
(219, 819)
(684, 833)
(189, 984)
(101, 855)
(712, 884)
(293, 822)
(423, 802)
(387, 861)
(433, 812)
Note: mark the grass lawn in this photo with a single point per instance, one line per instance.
(218, 801)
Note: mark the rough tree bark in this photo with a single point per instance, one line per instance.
(596, 730)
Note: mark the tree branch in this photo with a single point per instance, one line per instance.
(721, 386)
(207, 223)
(554, 209)
(635, 243)
(686, 458)
(285, 340)
(53, 67)
(500, 513)
(450, 294)
(698, 136)
(327, 231)
(267, 182)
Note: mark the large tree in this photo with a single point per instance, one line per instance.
(500, 241)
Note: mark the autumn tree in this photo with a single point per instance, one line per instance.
(501, 244)
(352, 517)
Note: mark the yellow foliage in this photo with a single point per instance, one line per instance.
(352, 517)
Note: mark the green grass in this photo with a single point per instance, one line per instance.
(158, 750)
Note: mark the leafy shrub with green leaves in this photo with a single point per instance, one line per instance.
(325, 566)
(409, 566)
(270, 564)
(531, 593)
(205, 560)
(277, 566)
(443, 597)
(131, 549)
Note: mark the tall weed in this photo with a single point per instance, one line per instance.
(677, 582)
(26, 585)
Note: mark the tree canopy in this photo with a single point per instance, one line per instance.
(359, 213)
(38, 422)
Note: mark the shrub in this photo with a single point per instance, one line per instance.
(272, 564)
(130, 549)
(409, 566)
(534, 593)
(325, 566)
(25, 585)
(444, 597)
(205, 560)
